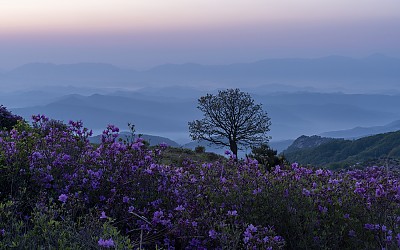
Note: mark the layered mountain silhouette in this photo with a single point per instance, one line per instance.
(359, 132)
(373, 72)
(160, 113)
(161, 100)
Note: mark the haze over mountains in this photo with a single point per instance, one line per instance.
(292, 114)
(376, 72)
(358, 132)
(300, 95)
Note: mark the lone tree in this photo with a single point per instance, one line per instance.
(230, 119)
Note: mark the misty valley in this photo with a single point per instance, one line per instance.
(302, 96)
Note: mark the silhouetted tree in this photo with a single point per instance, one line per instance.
(230, 119)
(7, 119)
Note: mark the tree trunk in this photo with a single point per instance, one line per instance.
(234, 148)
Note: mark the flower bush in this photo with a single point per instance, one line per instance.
(59, 190)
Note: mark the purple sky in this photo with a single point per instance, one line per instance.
(140, 34)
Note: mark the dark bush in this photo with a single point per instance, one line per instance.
(7, 119)
(266, 156)
(200, 149)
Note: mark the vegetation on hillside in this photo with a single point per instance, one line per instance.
(59, 191)
(341, 153)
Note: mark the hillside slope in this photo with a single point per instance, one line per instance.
(339, 152)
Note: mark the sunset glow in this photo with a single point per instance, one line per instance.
(179, 26)
(24, 15)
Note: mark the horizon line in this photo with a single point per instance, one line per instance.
(120, 66)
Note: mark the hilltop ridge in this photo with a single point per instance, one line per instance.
(343, 153)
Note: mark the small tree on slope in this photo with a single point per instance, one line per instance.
(230, 119)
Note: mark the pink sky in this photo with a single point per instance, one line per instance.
(140, 34)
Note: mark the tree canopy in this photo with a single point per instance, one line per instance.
(232, 119)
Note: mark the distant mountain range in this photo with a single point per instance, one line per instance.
(319, 151)
(354, 133)
(359, 132)
(373, 72)
(332, 69)
(163, 99)
(97, 111)
(151, 139)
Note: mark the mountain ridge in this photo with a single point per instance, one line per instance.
(338, 71)
(359, 131)
(339, 152)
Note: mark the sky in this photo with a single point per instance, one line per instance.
(143, 33)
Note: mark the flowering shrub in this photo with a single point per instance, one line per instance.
(52, 179)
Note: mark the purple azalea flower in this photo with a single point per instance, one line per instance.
(106, 243)
(232, 213)
(306, 192)
(180, 208)
(322, 209)
(257, 191)
(251, 228)
(103, 215)
(213, 234)
(63, 198)
(369, 226)
(125, 199)
(37, 155)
